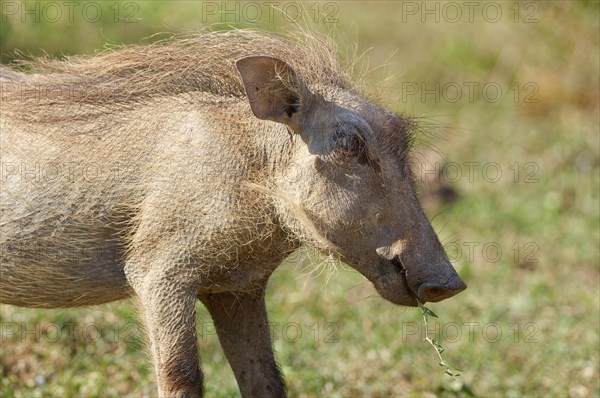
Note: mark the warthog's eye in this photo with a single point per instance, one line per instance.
(349, 140)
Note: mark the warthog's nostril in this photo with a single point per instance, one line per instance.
(437, 292)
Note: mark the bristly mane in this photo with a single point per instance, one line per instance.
(199, 62)
(192, 63)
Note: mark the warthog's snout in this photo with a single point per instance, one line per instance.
(426, 281)
(434, 292)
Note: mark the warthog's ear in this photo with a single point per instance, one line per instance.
(273, 89)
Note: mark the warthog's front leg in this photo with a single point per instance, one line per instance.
(243, 330)
(170, 315)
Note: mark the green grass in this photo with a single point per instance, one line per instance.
(544, 301)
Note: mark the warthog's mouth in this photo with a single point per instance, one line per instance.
(403, 271)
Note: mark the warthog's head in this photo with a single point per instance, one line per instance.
(351, 177)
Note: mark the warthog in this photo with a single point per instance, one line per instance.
(189, 169)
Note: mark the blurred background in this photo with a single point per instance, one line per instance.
(508, 97)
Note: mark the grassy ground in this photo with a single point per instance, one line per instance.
(526, 241)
